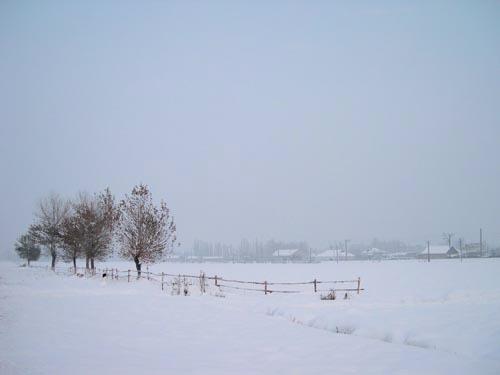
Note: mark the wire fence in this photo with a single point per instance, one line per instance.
(182, 283)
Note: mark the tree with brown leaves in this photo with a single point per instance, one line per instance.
(72, 238)
(95, 218)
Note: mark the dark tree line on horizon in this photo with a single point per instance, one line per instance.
(88, 226)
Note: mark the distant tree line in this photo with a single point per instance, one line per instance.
(263, 249)
(247, 249)
(89, 226)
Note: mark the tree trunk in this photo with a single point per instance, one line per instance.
(53, 255)
(86, 262)
(92, 263)
(74, 263)
(138, 267)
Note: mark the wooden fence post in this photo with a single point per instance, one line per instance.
(162, 274)
(128, 276)
(215, 278)
(117, 274)
(265, 287)
(315, 286)
(359, 283)
(202, 282)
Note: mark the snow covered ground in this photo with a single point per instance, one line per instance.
(413, 318)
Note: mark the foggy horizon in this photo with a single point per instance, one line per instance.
(316, 122)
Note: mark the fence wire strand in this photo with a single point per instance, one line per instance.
(219, 282)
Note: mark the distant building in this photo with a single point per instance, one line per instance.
(373, 253)
(472, 250)
(172, 258)
(495, 252)
(332, 255)
(400, 255)
(439, 252)
(287, 254)
(214, 259)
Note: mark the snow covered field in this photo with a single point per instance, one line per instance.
(413, 318)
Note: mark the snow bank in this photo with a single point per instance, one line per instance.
(413, 318)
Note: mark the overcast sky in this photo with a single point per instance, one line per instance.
(288, 120)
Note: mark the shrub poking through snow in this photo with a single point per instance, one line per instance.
(180, 285)
(330, 296)
(219, 293)
(345, 330)
(176, 286)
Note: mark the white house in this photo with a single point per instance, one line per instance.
(439, 252)
(399, 255)
(172, 258)
(287, 254)
(332, 255)
(373, 253)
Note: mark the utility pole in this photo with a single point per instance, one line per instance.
(428, 251)
(480, 242)
(336, 250)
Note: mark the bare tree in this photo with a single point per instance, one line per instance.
(27, 248)
(145, 232)
(48, 219)
(95, 218)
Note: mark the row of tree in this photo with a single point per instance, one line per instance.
(90, 226)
